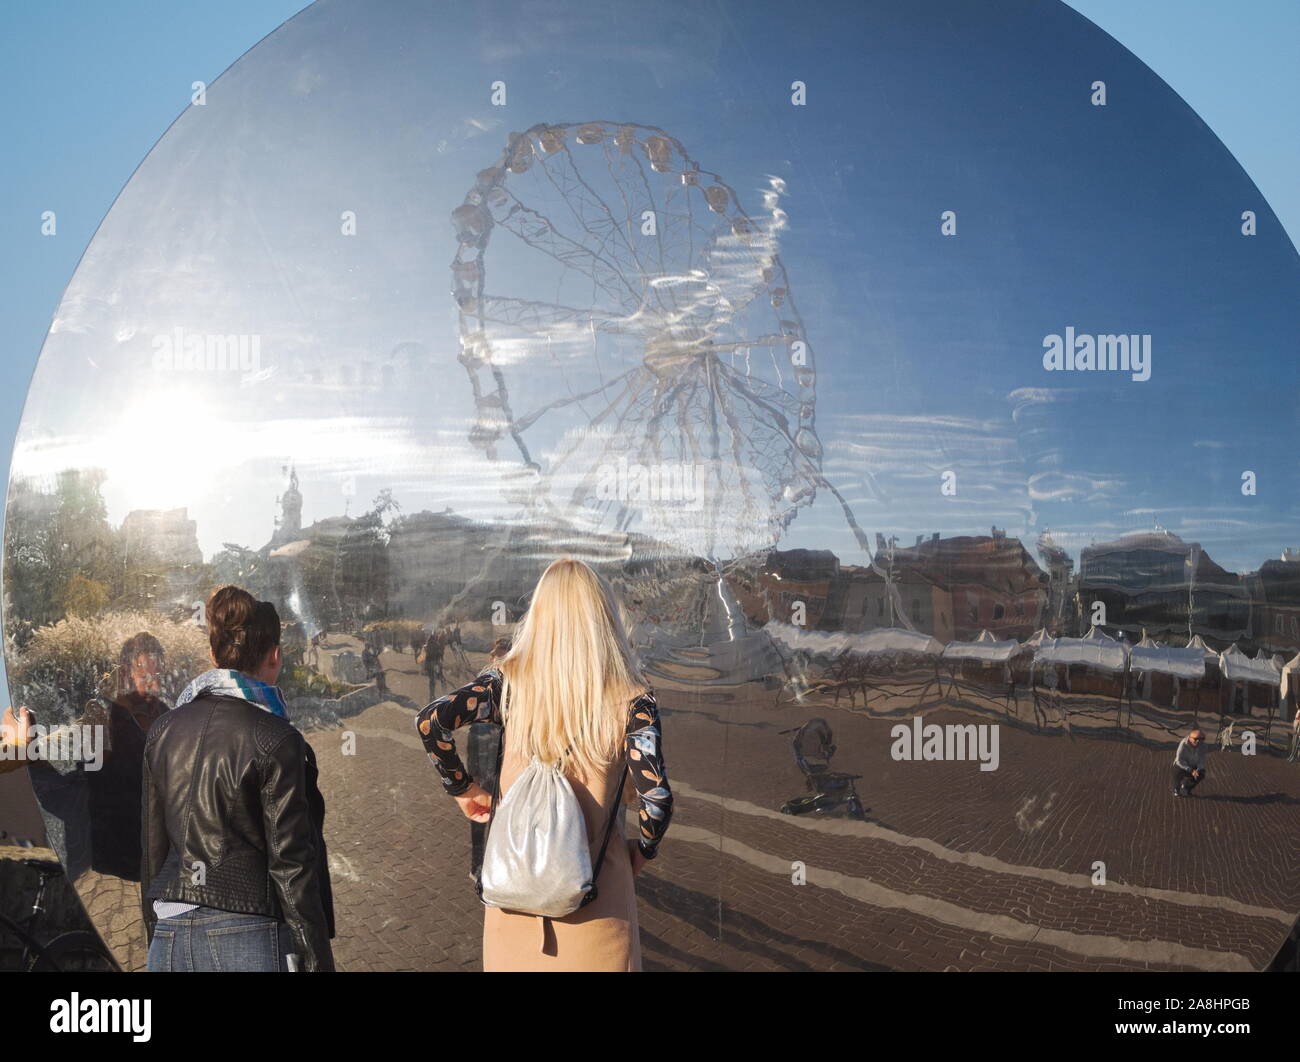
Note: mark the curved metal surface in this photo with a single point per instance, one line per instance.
(919, 375)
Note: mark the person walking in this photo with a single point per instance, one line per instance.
(234, 864)
(432, 666)
(569, 695)
(1189, 763)
(374, 668)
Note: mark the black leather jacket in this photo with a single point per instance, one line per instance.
(232, 788)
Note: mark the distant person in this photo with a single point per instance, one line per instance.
(235, 868)
(314, 647)
(1189, 763)
(428, 644)
(374, 670)
(432, 664)
(457, 646)
(572, 702)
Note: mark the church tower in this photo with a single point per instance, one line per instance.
(289, 526)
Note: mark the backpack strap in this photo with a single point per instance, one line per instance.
(614, 812)
(609, 829)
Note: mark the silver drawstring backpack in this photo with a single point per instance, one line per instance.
(536, 861)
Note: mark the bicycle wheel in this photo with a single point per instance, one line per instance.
(75, 952)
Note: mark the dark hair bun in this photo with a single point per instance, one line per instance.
(241, 629)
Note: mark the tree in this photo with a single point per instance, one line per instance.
(362, 562)
(84, 597)
(51, 536)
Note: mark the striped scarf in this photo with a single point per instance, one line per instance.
(226, 683)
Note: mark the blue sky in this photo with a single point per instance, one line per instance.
(90, 87)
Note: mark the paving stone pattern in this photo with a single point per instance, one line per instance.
(955, 869)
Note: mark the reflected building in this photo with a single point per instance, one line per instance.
(1062, 589)
(988, 583)
(1153, 581)
(165, 543)
(1275, 604)
(288, 526)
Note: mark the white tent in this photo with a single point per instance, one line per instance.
(864, 643)
(1198, 643)
(1186, 663)
(1095, 649)
(985, 648)
(1238, 667)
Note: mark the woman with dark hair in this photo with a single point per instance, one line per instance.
(99, 803)
(114, 790)
(235, 867)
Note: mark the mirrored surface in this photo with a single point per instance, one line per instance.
(921, 376)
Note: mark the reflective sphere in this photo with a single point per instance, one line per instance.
(918, 374)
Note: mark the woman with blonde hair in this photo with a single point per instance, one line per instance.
(569, 694)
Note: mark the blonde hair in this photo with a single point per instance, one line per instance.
(570, 673)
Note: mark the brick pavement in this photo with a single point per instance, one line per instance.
(956, 868)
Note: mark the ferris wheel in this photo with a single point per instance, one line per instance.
(622, 316)
(619, 308)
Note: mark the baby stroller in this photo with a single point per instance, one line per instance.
(814, 745)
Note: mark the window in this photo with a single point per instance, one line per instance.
(998, 611)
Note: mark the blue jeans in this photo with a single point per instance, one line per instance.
(205, 940)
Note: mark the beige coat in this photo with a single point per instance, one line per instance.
(602, 936)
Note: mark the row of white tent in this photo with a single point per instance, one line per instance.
(1096, 649)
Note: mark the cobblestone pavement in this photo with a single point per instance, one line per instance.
(954, 868)
(115, 910)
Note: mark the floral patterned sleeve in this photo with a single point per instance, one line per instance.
(649, 774)
(477, 701)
